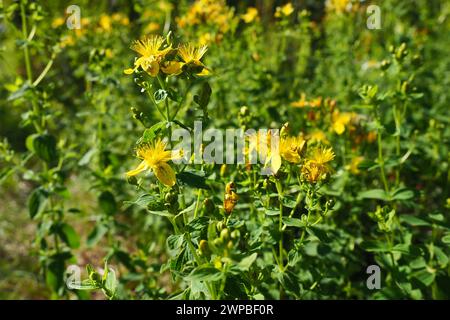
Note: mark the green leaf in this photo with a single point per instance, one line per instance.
(205, 94)
(96, 234)
(205, 273)
(446, 239)
(44, 146)
(293, 222)
(19, 93)
(163, 213)
(418, 263)
(175, 241)
(318, 233)
(402, 194)
(147, 201)
(247, 262)
(86, 158)
(414, 221)
(379, 194)
(424, 277)
(160, 95)
(441, 257)
(151, 133)
(401, 247)
(69, 236)
(36, 202)
(375, 246)
(197, 224)
(107, 203)
(195, 179)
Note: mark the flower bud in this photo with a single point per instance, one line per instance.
(223, 170)
(235, 234)
(208, 205)
(220, 225)
(385, 64)
(204, 247)
(284, 132)
(218, 242)
(225, 234)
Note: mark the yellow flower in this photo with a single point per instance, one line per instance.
(317, 136)
(58, 22)
(316, 103)
(321, 156)
(340, 121)
(105, 23)
(155, 157)
(353, 166)
(291, 148)
(285, 10)
(316, 166)
(251, 15)
(121, 18)
(152, 27)
(230, 198)
(190, 55)
(205, 39)
(301, 103)
(338, 5)
(150, 49)
(212, 13)
(262, 144)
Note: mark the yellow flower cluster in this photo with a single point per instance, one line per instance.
(154, 57)
(340, 6)
(303, 103)
(208, 12)
(292, 149)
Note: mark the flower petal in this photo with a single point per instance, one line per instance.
(141, 167)
(173, 67)
(165, 174)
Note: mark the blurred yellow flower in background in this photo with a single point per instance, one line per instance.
(353, 166)
(58, 22)
(284, 11)
(317, 136)
(340, 120)
(251, 15)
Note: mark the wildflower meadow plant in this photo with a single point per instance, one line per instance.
(223, 150)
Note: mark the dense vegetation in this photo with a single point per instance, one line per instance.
(355, 92)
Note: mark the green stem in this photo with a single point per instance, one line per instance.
(25, 47)
(209, 285)
(280, 224)
(26, 53)
(381, 161)
(197, 205)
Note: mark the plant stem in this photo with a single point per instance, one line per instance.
(381, 160)
(280, 224)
